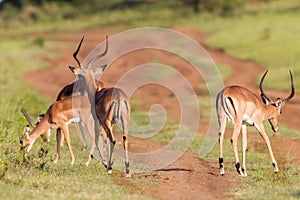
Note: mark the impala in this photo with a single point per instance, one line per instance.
(59, 115)
(45, 136)
(244, 108)
(108, 106)
(72, 89)
(69, 90)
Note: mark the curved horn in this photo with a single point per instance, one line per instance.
(29, 120)
(292, 88)
(91, 61)
(76, 52)
(262, 94)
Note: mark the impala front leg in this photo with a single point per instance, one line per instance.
(62, 138)
(260, 128)
(67, 138)
(98, 141)
(82, 130)
(58, 144)
(108, 128)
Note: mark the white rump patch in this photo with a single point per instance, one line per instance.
(74, 120)
(247, 119)
(226, 109)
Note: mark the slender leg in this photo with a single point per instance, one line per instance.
(235, 135)
(244, 143)
(260, 128)
(62, 138)
(108, 128)
(58, 139)
(67, 138)
(98, 141)
(103, 135)
(125, 127)
(82, 130)
(222, 126)
(92, 134)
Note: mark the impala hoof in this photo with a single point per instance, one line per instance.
(243, 174)
(128, 175)
(222, 172)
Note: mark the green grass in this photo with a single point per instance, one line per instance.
(261, 182)
(267, 33)
(39, 178)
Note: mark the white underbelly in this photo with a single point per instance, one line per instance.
(74, 120)
(247, 119)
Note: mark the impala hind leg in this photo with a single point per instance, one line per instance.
(244, 143)
(125, 128)
(222, 126)
(108, 129)
(260, 128)
(234, 140)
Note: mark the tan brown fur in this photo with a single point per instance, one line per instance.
(244, 108)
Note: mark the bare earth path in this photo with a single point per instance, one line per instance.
(189, 177)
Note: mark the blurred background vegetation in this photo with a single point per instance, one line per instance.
(79, 7)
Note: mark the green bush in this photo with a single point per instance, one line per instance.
(39, 41)
(221, 7)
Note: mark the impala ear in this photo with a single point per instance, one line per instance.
(264, 100)
(26, 131)
(75, 70)
(278, 103)
(99, 70)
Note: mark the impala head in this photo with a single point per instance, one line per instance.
(86, 73)
(26, 145)
(275, 105)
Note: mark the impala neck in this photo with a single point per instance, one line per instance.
(42, 127)
(269, 111)
(91, 87)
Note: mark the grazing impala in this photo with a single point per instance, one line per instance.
(243, 108)
(45, 136)
(108, 106)
(59, 115)
(69, 90)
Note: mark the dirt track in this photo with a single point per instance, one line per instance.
(188, 177)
